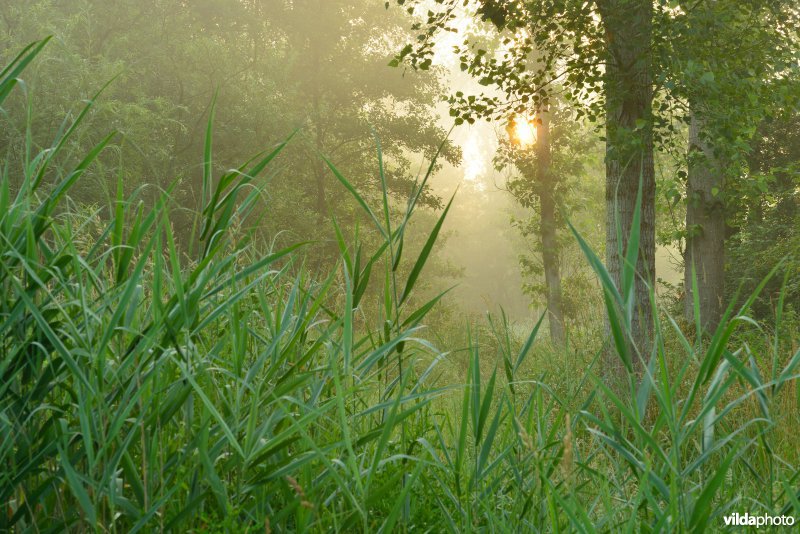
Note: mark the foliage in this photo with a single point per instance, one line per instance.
(276, 67)
(765, 231)
(719, 56)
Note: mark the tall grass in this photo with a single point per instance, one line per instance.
(217, 386)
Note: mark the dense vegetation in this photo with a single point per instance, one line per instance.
(184, 348)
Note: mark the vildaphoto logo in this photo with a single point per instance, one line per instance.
(746, 520)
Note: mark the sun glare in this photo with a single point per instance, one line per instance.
(523, 131)
(474, 162)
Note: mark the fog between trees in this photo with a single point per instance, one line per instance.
(416, 265)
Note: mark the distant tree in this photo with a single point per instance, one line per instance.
(550, 151)
(336, 84)
(319, 67)
(546, 182)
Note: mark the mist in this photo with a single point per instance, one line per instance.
(399, 266)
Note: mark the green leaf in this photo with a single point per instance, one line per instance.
(423, 255)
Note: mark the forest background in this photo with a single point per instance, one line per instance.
(368, 112)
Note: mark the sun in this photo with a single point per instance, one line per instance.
(522, 131)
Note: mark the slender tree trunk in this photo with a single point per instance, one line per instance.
(547, 230)
(319, 166)
(320, 201)
(316, 104)
(705, 231)
(629, 158)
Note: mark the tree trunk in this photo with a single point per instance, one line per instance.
(629, 158)
(547, 231)
(316, 105)
(705, 231)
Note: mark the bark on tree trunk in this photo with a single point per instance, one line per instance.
(629, 158)
(705, 230)
(547, 230)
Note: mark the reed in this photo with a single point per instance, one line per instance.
(219, 386)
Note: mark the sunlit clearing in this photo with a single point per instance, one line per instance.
(522, 131)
